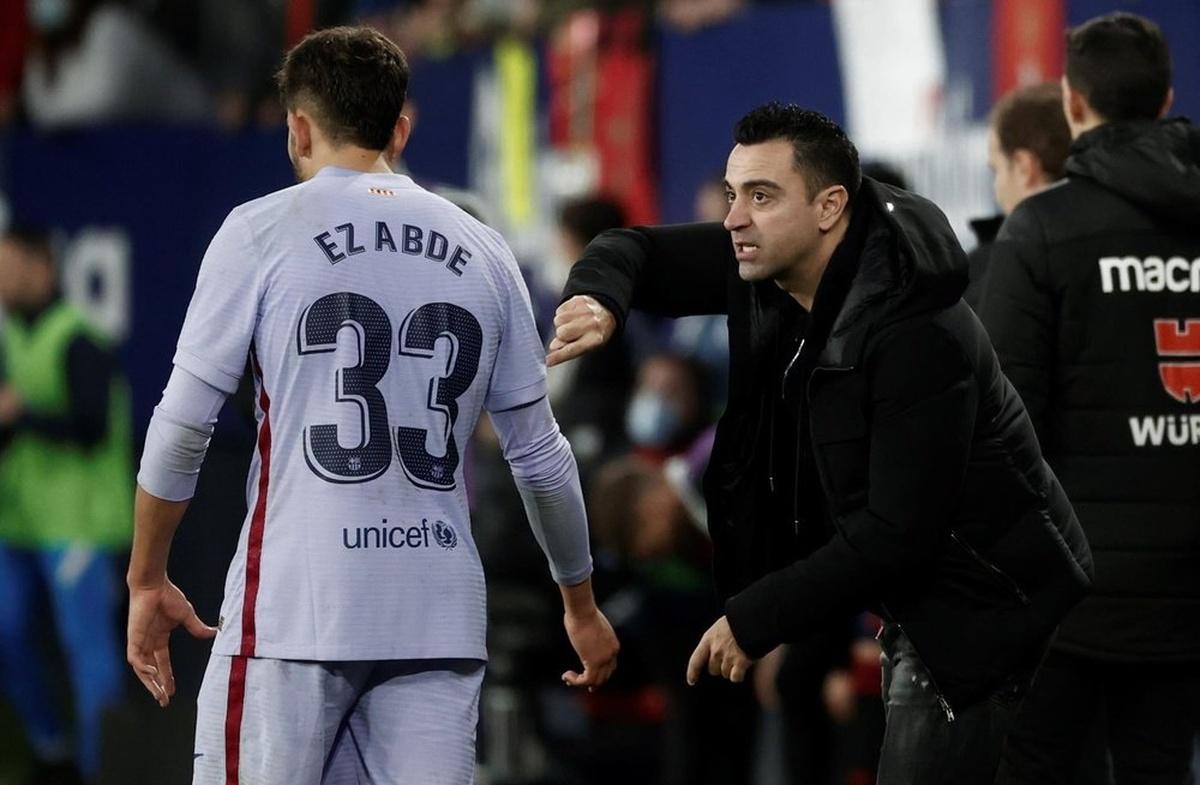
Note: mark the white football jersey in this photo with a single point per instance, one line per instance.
(379, 320)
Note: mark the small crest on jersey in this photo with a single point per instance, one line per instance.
(445, 535)
(381, 191)
(354, 463)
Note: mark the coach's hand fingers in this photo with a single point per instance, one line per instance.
(561, 351)
(581, 325)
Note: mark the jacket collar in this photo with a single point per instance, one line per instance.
(910, 263)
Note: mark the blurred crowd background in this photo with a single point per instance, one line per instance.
(128, 130)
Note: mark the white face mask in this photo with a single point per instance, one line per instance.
(48, 16)
(650, 421)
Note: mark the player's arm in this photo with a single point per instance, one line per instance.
(176, 442)
(679, 270)
(548, 480)
(209, 360)
(546, 476)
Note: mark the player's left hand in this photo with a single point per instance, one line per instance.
(11, 405)
(153, 613)
(722, 654)
(594, 641)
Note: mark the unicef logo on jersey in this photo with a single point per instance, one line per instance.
(445, 535)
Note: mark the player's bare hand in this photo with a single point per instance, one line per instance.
(580, 325)
(720, 652)
(153, 613)
(594, 641)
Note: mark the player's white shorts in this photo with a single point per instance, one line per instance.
(283, 722)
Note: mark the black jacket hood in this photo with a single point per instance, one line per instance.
(1155, 165)
(911, 263)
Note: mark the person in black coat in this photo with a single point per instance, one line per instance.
(872, 455)
(1028, 139)
(1093, 303)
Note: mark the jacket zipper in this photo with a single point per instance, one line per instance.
(1001, 574)
(796, 455)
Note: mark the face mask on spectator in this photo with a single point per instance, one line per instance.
(651, 421)
(49, 16)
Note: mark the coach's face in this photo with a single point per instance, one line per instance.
(773, 223)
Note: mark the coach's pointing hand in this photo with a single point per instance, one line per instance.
(153, 612)
(580, 325)
(721, 653)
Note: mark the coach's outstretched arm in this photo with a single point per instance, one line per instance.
(176, 442)
(548, 480)
(681, 270)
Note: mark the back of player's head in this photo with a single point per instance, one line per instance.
(1031, 118)
(352, 79)
(1120, 63)
(823, 152)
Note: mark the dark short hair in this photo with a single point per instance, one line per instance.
(823, 152)
(1031, 118)
(1120, 63)
(585, 218)
(353, 79)
(34, 239)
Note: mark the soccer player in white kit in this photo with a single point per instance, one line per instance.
(378, 320)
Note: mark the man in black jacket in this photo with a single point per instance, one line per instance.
(1093, 302)
(871, 455)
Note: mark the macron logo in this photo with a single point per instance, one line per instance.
(1152, 274)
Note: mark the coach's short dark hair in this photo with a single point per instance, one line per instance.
(823, 152)
(1031, 118)
(353, 79)
(1120, 63)
(33, 239)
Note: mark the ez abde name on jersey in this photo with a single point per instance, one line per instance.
(413, 241)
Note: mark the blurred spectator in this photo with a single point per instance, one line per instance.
(1028, 142)
(592, 402)
(236, 45)
(1091, 302)
(710, 204)
(96, 62)
(637, 511)
(65, 505)
(14, 39)
(670, 406)
(706, 338)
